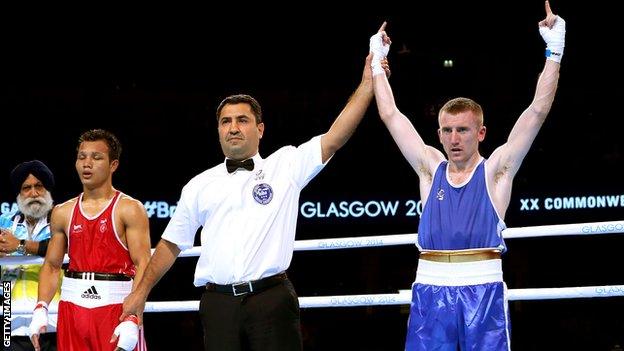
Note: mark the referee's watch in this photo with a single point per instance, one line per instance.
(21, 248)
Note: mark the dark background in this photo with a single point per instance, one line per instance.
(154, 76)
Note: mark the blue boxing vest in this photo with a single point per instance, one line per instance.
(460, 218)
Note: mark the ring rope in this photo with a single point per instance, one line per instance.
(402, 298)
(591, 228)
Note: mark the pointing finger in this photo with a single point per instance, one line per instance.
(548, 10)
(383, 27)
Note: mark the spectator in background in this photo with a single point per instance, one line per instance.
(27, 232)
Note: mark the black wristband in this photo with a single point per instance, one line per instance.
(43, 248)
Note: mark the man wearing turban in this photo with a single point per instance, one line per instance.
(27, 232)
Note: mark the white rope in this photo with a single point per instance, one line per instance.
(402, 298)
(350, 243)
(592, 228)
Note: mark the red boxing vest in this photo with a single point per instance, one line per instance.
(93, 243)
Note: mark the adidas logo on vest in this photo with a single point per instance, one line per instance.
(91, 293)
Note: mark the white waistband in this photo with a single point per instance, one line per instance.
(459, 274)
(94, 293)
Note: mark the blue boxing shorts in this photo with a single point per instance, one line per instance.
(458, 306)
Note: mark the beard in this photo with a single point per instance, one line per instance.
(35, 207)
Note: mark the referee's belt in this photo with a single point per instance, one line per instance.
(460, 256)
(250, 287)
(97, 276)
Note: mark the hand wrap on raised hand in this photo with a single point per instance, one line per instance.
(554, 38)
(380, 50)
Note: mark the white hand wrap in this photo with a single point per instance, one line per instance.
(555, 39)
(380, 51)
(128, 333)
(39, 318)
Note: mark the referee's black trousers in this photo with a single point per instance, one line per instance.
(263, 321)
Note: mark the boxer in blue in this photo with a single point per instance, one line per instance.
(459, 297)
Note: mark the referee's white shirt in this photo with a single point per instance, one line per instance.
(248, 217)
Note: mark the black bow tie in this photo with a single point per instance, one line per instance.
(233, 165)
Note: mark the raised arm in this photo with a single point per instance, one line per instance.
(423, 158)
(506, 160)
(351, 115)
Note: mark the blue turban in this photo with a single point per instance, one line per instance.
(34, 167)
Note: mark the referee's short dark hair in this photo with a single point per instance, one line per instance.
(242, 99)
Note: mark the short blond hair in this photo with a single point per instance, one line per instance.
(462, 104)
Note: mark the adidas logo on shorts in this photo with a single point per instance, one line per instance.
(91, 293)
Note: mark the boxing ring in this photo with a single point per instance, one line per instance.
(403, 297)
